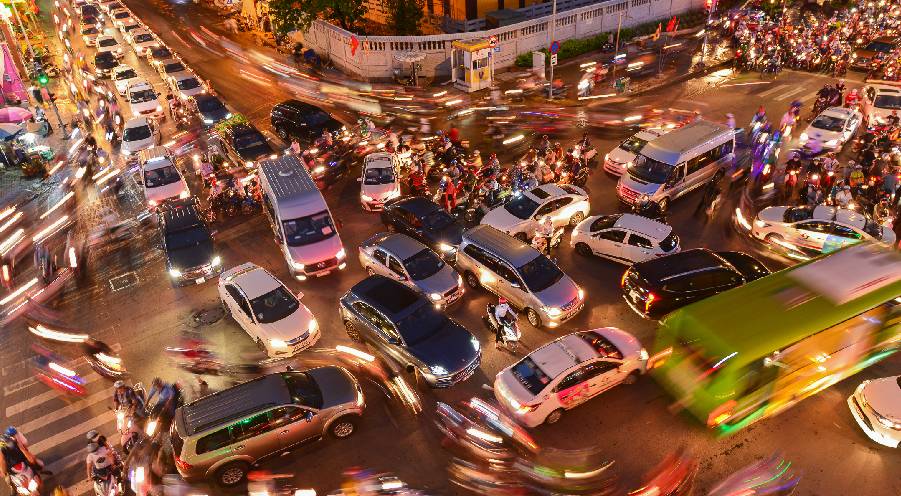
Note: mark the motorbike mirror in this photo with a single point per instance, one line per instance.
(300, 295)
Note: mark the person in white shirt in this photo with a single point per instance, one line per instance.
(844, 198)
(502, 314)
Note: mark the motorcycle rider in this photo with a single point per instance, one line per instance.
(546, 230)
(844, 198)
(852, 99)
(503, 315)
(759, 116)
(16, 455)
(125, 397)
(101, 458)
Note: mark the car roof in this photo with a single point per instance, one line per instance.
(390, 297)
(562, 354)
(501, 244)
(378, 159)
(643, 225)
(205, 97)
(256, 281)
(401, 245)
(230, 404)
(122, 67)
(658, 269)
(298, 106)
(136, 122)
(650, 133)
(181, 214)
(182, 75)
(844, 113)
(551, 189)
(138, 85)
(670, 147)
(842, 215)
(418, 205)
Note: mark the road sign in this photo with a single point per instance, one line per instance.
(553, 59)
(492, 41)
(555, 47)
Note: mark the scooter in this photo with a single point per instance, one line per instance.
(103, 359)
(540, 243)
(510, 333)
(106, 482)
(24, 480)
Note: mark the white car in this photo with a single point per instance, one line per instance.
(143, 100)
(120, 17)
(567, 372)
(565, 204)
(108, 43)
(169, 67)
(130, 26)
(161, 179)
(107, 5)
(622, 156)
(404, 259)
(142, 40)
(185, 85)
(820, 229)
(834, 127)
(878, 102)
(267, 310)
(379, 182)
(138, 134)
(123, 76)
(624, 238)
(876, 406)
(89, 35)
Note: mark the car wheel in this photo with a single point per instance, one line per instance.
(352, 332)
(575, 219)
(718, 176)
(521, 236)
(533, 317)
(232, 474)
(227, 312)
(262, 345)
(343, 427)
(583, 249)
(281, 133)
(554, 417)
(664, 204)
(632, 378)
(472, 281)
(370, 271)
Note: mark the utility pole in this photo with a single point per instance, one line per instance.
(550, 88)
(619, 26)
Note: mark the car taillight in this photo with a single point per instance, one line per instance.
(647, 303)
(721, 413)
(622, 282)
(182, 465)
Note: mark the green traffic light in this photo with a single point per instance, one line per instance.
(43, 79)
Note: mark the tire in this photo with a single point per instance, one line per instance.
(472, 281)
(583, 249)
(632, 378)
(281, 133)
(553, 417)
(533, 317)
(227, 312)
(664, 204)
(521, 236)
(232, 474)
(343, 427)
(718, 176)
(575, 219)
(352, 332)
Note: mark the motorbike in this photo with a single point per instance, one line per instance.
(49, 369)
(24, 480)
(103, 359)
(106, 482)
(544, 245)
(510, 333)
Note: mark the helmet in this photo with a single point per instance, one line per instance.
(730, 115)
(119, 384)
(11, 431)
(476, 152)
(92, 436)
(847, 188)
(501, 300)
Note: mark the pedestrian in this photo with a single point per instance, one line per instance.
(295, 147)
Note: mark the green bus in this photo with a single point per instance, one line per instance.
(754, 351)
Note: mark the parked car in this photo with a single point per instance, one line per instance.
(404, 259)
(160, 178)
(130, 26)
(244, 144)
(170, 67)
(406, 328)
(624, 238)
(876, 406)
(157, 55)
(379, 182)
(565, 204)
(658, 286)
(89, 35)
(122, 77)
(300, 120)
(210, 109)
(120, 16)
(623, 155)
(834, 127)
(862, 58)
(274, 317)
(817, 229)
(185, 85)
(425, 222)
(567, 372)
(187, 243)
(104, 62)
(138, 134)
(142, 40)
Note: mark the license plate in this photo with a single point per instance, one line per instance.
(200, 281)
(321, 274)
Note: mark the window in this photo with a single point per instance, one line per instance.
(508, 274)
(546, 209)
(845, 232)
(365, 311)
(595, 369)
(572, 379)
(815, 226)
(214, 441)
(285, 415)
(726, 149)
(396, 267)
(718, 278)
(636, 240)
(239, 298)
(380, 257)
(614, 235)
(252, 427)
(482, 256)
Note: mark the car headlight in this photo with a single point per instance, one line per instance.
(126, 152)
(159, 108)
(365, 197)
(319, 169)
(278, 344)
(832, 142)
(184, 194)
(297, 266)
(475, 343)
(312, 326)
(175, 273)
(803, 138)
(446, 247)
(581, 294)
(553, 311)
(643, 355)
(228, 115)
(438, 370)
(249, 163)
(216, 261)
(459, 280)
(341, 254)
(208, 121)
(759, 223)
(435, 296)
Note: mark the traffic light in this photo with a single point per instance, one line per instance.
(43, 79)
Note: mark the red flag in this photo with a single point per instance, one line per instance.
(354, 44)
(671, 25)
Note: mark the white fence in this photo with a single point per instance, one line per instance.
(374, 57)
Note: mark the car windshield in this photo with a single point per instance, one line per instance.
(141, 38)
(829, 123)
(173, 67)
(310, 229)
(304, 390)
(126, 74)
(105, 60)
(891, 102)
(89, 30)
(154, 178)
(540, 274)
(650, 170)
(249, 140)
(423, 264)
(530, 375)
(379, 175)
(136, 133)
(604, 222)
(797, 214)
(141, 96)
(438, 219)
(121, 15)
(872, 228)
(188, 84)
(209, 104)
(108, 42)
(522, 207)
(274, 305)
(161, 53)
(187, 238)
(421, 324)
(879, 46)
(633, 144)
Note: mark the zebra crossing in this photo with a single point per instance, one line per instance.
(787, 91)
(55, 425)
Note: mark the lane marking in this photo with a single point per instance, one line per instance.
(44, 397)
(72, 432)
(789, 93)
(773, 90)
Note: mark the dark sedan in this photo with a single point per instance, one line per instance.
(305, 122)
(210, 109)
(246, 145)
(104, 63)
(423, 220)
(188, 244)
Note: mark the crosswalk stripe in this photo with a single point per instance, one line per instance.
(68, 461)
(43, 397)
(79, 430)
(810, 95)
(772, 90)
(789, 93)
(64, 412)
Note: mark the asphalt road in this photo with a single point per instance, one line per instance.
(632, 423)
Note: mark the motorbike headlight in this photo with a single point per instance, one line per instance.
(228, 115)
(475, 343)
(208, 121)
(438, 370)
(249, 163)
(184, 194)
(159, 108)
(175, 273)
(459, 280)
(216, 261)
(803, 138)
(319, 169)
(435, 296)
(341, 254)
(643, 355)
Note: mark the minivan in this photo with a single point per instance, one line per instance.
(223, 434)
(511, 269)
(300, 219)
(678, 162)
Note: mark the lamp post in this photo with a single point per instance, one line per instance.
(550, 88)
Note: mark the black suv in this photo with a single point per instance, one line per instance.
(188, 244)
(423, 220)
(104, 63)
(296, 119)
(245, 145)
(656, 287)
(406, 328)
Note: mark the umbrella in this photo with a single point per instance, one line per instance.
(14, 114)
(7, 130)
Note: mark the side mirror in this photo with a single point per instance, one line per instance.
(410, 368)
(359, 179)
(515, 285)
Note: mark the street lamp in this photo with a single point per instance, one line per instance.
(550, 88)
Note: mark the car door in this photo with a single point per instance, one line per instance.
(511, 286)
(295, 425)
(714, 281)
(675, 185)
(379, 263)
(545, 209)
(610, 243)
(841, 236)
(255, 436)
(638, 248)
(240, 309)
(600, 375)
(572, 391)
(812, 234)
(396, 269)
(564, 208)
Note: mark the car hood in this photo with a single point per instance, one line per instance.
(290, 327)
(185, 259)
(378, 190)
(772, 214)
(449, 347)
(442, 281)
(559, 294)
(338, 386)
(500, 219)
(818, 134)
(641, 187)
(507, 387)
(254, 153)
(316, 252)
(215, 115)
(163, 192)
(621, 156)
(883, 395)
(451, 234)
(137, 145)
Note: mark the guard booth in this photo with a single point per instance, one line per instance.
(472, 64)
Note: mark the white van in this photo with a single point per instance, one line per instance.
(160, 178)
(678, 162)
(300, 219)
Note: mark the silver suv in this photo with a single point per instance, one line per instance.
(530, 282)
(222, 435)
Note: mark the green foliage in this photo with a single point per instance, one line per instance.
(235, 119)
(404, 16)
(291, 15)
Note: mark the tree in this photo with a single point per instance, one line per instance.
(291, 15)
(404, 16)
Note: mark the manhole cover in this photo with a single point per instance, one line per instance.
(207, 317)
(124, 281)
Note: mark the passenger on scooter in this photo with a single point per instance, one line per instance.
(503, 315)
(16, 455)
(546, 230)
(102, 460)
(844, 198)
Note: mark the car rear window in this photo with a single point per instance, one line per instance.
(669, 243)
(600, 344)
(530, 375)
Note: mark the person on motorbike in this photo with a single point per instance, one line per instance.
(893, 119)
(503, 315)
(546, 230)
(759, 116)
(844, 198)
(584, 143)
(125, 397)
(15, 455)
(788, 119)
(730, 120)
(476, 161)
(545, 143)
(417, 181)
(852, 99)
(448, 194)
(101, 459)
(492, 168)
(166, 395)
(325, 140)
